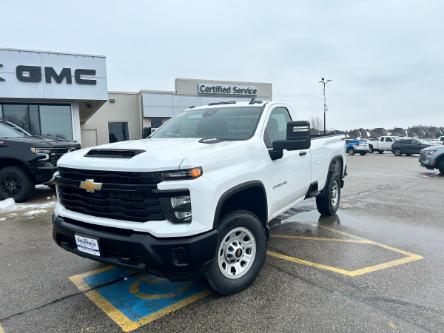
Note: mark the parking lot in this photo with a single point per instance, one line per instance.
(376, 266)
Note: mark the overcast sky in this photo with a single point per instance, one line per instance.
(385, 57)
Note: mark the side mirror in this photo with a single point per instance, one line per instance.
(298, 137)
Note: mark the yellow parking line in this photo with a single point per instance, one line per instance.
(357, 241)
(1, 329)
(309, 263)
(409, 257)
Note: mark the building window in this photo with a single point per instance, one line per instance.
(56, 120)
(156, 122)
(40, 119)
(118, 131)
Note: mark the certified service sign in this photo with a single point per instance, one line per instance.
(226, 90)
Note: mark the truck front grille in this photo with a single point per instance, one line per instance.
(56, 153)
(127, 196)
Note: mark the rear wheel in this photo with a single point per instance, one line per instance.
(380, 151)
(370, 147)
(398, 152)
(241, 251)
(328, 202)
(351, 151)
(363, 154)
(15, 183)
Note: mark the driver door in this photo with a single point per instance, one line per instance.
(288, 178)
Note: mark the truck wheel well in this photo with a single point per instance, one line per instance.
(249, 196)
(5, 162)
(336, 166)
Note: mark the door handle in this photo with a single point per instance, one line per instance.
(302, 153)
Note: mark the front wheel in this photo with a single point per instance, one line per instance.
(241, 250)
(398, 152)
(370, 147)
(328, 202)
(363, 154)
(15, 183)
(380, 151)
(351, 151)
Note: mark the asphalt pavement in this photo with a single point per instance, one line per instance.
(375, 267)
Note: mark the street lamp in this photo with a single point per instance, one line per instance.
(324, 83)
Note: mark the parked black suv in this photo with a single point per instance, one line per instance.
(408, 146)
(27, 160)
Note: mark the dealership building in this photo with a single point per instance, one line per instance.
(65, 95)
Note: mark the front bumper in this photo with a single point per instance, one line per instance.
(177, 259)
(426, 162)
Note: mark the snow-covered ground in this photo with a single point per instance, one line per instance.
(43, 202)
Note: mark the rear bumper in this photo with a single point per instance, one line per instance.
(177, 259)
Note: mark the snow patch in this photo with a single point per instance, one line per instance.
(9, 206)
(34, 212)
(7, 203)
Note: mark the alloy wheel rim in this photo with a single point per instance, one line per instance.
(9, 185)
(237, 252)
(334, 194)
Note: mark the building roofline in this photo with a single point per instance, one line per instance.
(157, 91)
(222, 81)
(52, 52)
(123, 92)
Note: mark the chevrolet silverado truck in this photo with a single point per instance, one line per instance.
(194, 199)
(27, 160)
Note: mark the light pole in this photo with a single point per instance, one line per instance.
(324, 83)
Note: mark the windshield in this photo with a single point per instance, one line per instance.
(7, 131)
(227, 123)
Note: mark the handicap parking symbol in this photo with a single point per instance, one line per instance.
(133, 300)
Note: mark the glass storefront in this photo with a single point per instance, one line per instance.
(40, 119)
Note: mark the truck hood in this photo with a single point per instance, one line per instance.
(156, 155)
(43, 142)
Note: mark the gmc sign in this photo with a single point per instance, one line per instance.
(34, 74)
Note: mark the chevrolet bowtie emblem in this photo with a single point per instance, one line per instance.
(90, 186)
(1, 79)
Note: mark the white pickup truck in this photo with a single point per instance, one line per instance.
(382, 144)
(195, 198)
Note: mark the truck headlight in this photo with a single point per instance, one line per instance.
(183, 174)
(177, 209)
(43, 152)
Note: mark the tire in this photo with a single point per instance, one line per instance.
(15, 183)
(441, 167)
(380, 151)
(362, 154)
(351, 151)
(328, 202)
(397, 152)
(371, 150)
(222, 273)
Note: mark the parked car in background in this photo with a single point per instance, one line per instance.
(382, 144)
(408, 146)
(441, 140)
(27, 160)
(353, 146)
(432, 158)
